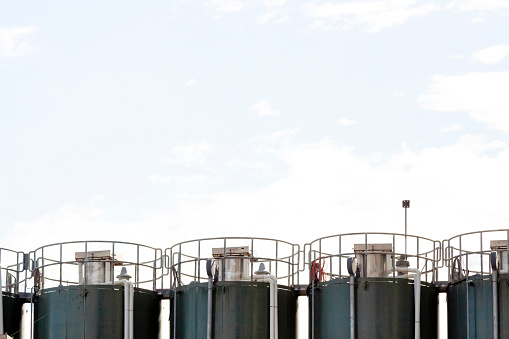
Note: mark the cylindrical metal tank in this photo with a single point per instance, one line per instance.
(12, 314)
(240, 311)
(93, 311)
(87, 303)
(478, 289)
(362, 285)
(237, 288)
(384, 308)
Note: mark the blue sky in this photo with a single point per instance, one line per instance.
(159, 122)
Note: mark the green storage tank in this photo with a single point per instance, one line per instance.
(384, 308)
(12, 314)
(93, 311)
(472, 316)
(241, 310)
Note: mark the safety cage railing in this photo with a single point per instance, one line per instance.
(234, 259)
(13, 270)
(476, 253)
(331, 257)
(97, 262)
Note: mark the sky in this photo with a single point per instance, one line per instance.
(158, 122)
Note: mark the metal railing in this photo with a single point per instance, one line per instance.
(331, 253)
(56, 264)
(187, 260)
(469, 253)
(14, 275)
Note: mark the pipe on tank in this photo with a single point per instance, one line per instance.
(264, 276)
(352, 307)
(209, 298)
(495, 305)
(417, 295)
(128, 307)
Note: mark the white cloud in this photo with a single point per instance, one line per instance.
(191, 82)
(273, 3)
(346, 122)
(227, 5)
(327, 189)
(283, 19)
(264, 108)
(397, 93)
(451, 128)
(327, 185)
(374, 15)
(188, 179)
(491, 55)
(479, 5)
(482, 95)
(265, 17)
(76, 223)
(11, 44)
(99, 197)
(190, 154)
(280, 135)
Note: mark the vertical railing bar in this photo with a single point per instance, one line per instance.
(394, 255)
(137, 269)
(480, 254)
(86, 262)
(418, 254)
(112, 266)
(223, 270)
(339, 252)
(199, 260)
(154, 270)
(60, 280)
(252, 258)
(43, 276)
(277, 257)
(195, 268)
(365, 259)
(180, 267)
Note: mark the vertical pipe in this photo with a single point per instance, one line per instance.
(1, 304)
(468, 308)
(495, 303)
(352, 307)
(209, 308)
(175, 312)
(312, 307)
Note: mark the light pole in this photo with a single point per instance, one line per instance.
(406, 205)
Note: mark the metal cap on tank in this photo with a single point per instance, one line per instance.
(233, 262)
(373, 259)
